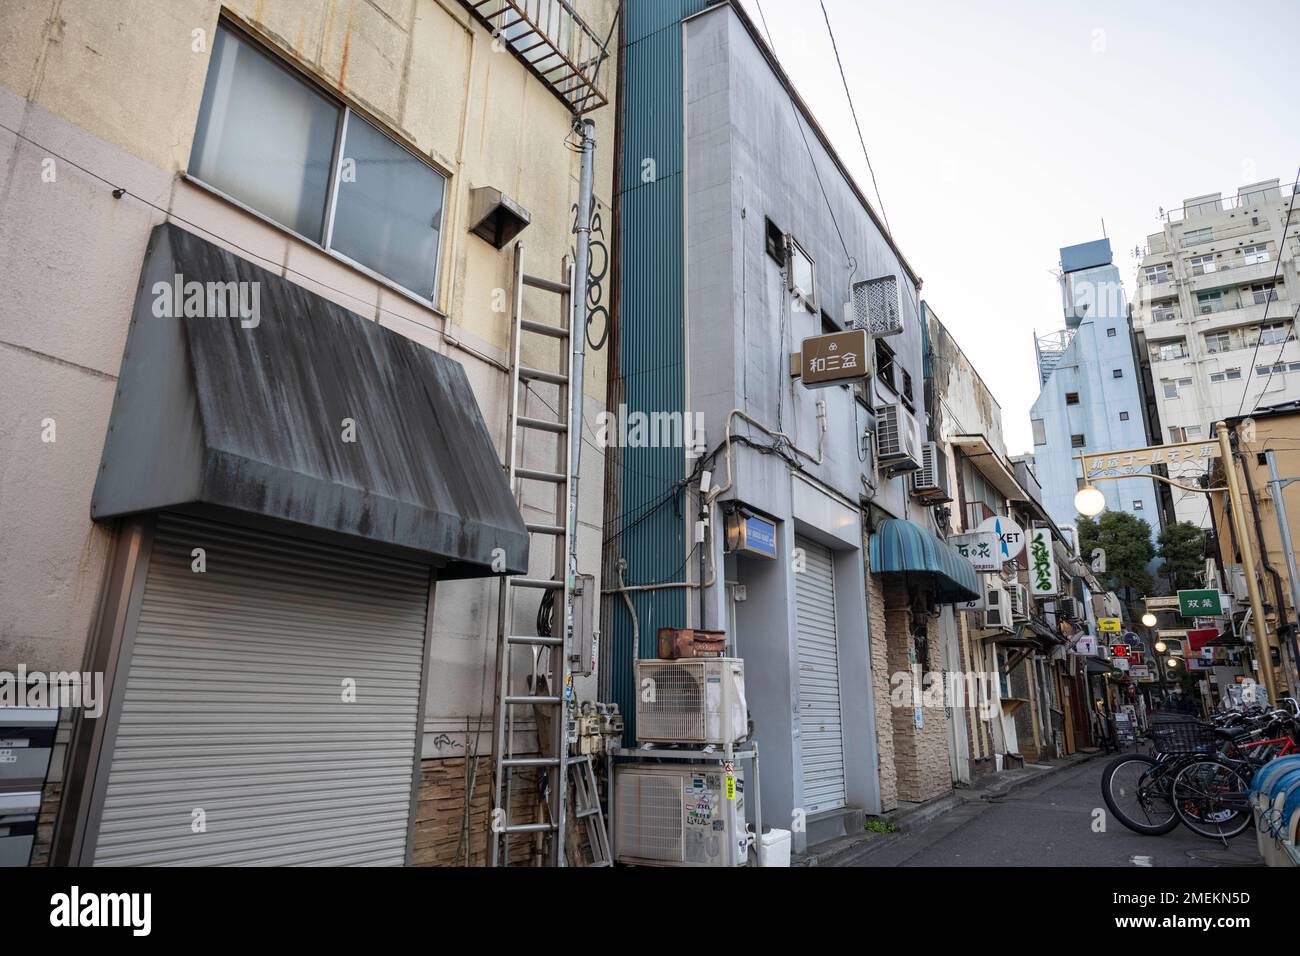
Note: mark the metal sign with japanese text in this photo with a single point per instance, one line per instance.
(980, 549)
(1200, 603)
(833, 359)
(1198, 451)
(1042, 563)
(1108, 625)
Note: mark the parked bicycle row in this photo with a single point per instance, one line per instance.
(1199, 772)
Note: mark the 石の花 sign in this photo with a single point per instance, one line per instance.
(980, 549)
(1042, 563)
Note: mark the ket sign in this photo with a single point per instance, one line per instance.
(1011, 537)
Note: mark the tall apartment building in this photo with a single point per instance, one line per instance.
(1092, 394)
(1217, 312)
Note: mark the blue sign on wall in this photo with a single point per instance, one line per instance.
(760, 536)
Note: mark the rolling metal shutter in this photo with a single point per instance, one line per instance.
(820, 734)
(234, 705)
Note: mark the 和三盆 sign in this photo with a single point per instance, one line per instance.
(833, 359)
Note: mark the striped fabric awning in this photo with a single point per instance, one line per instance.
(904, 547)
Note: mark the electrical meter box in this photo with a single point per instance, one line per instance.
(26, 743)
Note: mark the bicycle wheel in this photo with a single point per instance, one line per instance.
(1210, 799)
(1136, 789)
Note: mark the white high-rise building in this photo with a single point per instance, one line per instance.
(1215, 309)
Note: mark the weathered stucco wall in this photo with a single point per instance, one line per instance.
(106, 95)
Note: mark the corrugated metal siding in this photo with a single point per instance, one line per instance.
(821, 736)
(234, 705)
(652, 335)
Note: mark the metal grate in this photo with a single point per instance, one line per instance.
(877, 306)
(554, 44)
(673, 706)
(649, 816)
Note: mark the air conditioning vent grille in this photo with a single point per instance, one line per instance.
(877, 306)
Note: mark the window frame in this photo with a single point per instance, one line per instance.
(346, 110)
(1250, 255)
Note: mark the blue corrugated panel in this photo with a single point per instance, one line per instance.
(651, 334)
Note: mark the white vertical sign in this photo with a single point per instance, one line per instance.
(1042, 563)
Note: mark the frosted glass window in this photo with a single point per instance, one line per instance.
(265, 137)
(388, 216)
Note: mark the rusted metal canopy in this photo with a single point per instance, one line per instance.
(244, 392)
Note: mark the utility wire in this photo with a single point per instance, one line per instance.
(1272, 366)
(794, 110)
(1269, 301)
(853, 110)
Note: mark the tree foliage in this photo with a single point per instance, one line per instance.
(1182, 549)
(1126, 539)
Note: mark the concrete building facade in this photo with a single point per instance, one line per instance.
(110, 132)
(1216, 304)
(773, 233)
(1092, 396)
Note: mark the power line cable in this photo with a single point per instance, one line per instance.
(812, 161)
(853, 110)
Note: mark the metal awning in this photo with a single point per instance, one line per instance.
(299, 412)
(904, 547)
(991, 465)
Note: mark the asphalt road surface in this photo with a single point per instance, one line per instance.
(1046, 823)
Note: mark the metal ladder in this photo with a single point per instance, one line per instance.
(548, 677)
(587, 811)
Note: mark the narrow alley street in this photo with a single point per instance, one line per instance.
(1044, 823)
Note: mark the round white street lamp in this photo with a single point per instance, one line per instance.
(1161, 647)
(1089, 501)
(1149, 620)
(1172, 662)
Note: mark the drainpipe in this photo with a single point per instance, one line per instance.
(581, 272)
(1275, 486)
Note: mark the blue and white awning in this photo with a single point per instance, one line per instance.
(904, 547)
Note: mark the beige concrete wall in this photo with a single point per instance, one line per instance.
(104, 95)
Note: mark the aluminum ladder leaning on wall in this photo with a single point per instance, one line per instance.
(547, 677)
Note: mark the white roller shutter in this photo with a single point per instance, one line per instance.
(820, 725)
(234, 705)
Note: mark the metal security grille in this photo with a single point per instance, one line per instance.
(234, 713)
(877, 306)
(821, 741)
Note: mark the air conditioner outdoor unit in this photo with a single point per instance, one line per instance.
(684, 815)
(997, 613)
(1066, 609)
(878, 306)
(931, 480)
(1019, 603)
(699, 701)
(897, 447)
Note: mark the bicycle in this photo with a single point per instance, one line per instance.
(1210, 794)
(1137, 786)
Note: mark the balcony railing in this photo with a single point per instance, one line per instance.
(554, 44)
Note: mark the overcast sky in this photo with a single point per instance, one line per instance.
(1001, 131)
